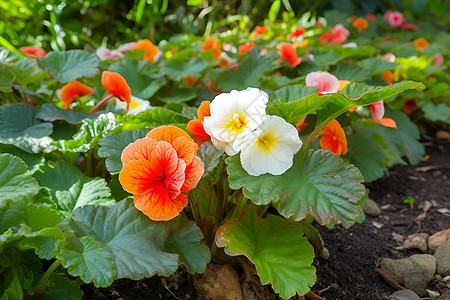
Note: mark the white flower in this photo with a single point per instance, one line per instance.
(105, 53)
(137, 105)
(350, 45)
(233, 116)
(270, 148)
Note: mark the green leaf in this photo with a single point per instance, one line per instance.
(247, 74)
(58, 285)
(71, 189)
(178, 69)
(177, 95)
(152, 117)
(347, 71)
(91, 132)
(6, 80)
(367, 155)
(322, 186)
(281, 255)
(351, 96)
(121, 242)
(274, 10)
(50, 112)
(292, 93)
(376, 65)
(140, 75)
(39, 227)
(409, 135)
(440, 112)
(16, 181)
(113, 144)
(210, 157)
(33, 161)
(20, 127)
(70, 65)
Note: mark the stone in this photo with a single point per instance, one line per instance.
(438, 238)
(215, 280)
(371, 208)
(414, 272)
(404, 295)
(442, 256)
(417, 241)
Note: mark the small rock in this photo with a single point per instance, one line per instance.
(325, 254)
(442, 134)
(217, 279)
(404, 295)
(438, 238)
(415, 272)
(371, 208)
(417, 241)
(442, 256)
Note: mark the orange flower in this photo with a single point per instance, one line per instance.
(159, 169)
(74, 90)
(420, 43)
(190, 80)
(289, 54)
(259, 30)
(30, 50)
(301, 124)
(360, 24)
(388, 122)
(296, 33)
(117, 86)
(301, 44)
(151, 51)
(196, 126)
(245, 48)
(388, 76)
(333, 138)
(212, 44)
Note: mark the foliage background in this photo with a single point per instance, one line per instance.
(66, 24)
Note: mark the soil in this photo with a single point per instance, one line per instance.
(349, 272)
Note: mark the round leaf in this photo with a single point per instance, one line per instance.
(322, 186)
(281, 255)
(70, 65)
(16, 181)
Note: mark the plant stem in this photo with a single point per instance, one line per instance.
(54, 92)
(100, 104)
(39, 288)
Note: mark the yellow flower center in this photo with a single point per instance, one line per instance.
(134, 104)
(237, 123)
(266, 142)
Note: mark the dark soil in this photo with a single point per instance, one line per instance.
(349, 273)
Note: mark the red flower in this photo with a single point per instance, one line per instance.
(409, 106)
(289, 54)
(117, 86)
(297, 32)
(245, 48)
(333, 138)
(30, 50)
(196, 126)
(74, 90)
(259, 30)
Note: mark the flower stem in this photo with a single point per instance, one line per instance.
(100, 104)
(39, 288)
(54, 92)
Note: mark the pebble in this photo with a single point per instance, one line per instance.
(404, 295)
(371, 208)
(442, 256)
(414, 272)
(417, 241)
(438, 238)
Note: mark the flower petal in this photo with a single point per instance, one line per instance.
(194, 173)
(140, 149)
(116, 85)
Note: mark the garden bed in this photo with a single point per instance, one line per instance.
(349, 273)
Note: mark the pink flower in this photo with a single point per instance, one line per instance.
(438, 59)
(389, 57)
(127, 47)
(371, 17)
(377, 110)
(339, 33)
(325, 82)
(395, 18)
(105, 53)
